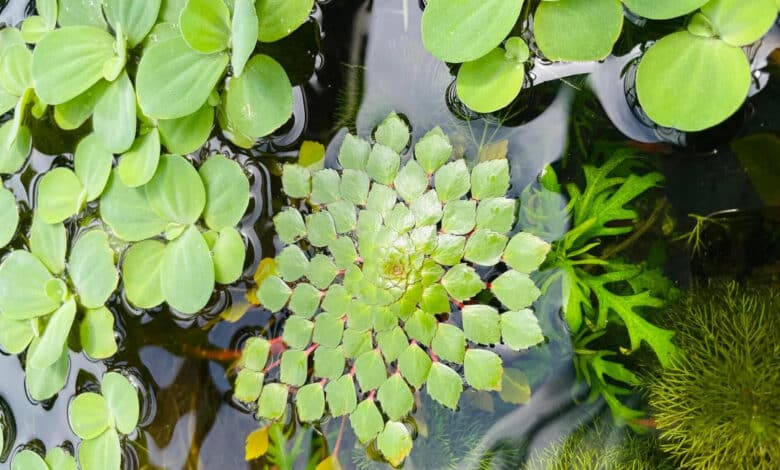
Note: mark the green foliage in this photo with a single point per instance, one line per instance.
(56, 459)
(99, 418)
(380, 272)
(9, 214)
(715, 405)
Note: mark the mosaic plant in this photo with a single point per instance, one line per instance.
(397, 274)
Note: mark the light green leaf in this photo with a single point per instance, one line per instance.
(573, 30)
(102, 453)
(444, 385)
(356, 342)
(279, 18)
(297, 332)
(393, 132)
(481, 324)
(80, 12)
(137, 18)
(526, 252)
(383, 164)
(60, 195)
(381, 199)
(49, 244)
(73, 113)
(483, 369)
(114, 118)
(9, 214)
(427, 209)
(435, 300)
(187, 272)
(325, 186)
(341, 396)
(259, 101)
(370, 370)
(321, 271)
(490, 82)
(296, 180)
(392, 343)
(289, 226)
(92, 164)
(395, 442)
(273, 401)
(515, 388)
(293, 367)
(97, 333)
(174, 81)
(449, 249)
(411, 182)
(227, 192)
(176, 192)
(353, 154)
(433, 150)
(344, 215)
(249, 384)
(305, 301)
(740, 23)
(255, 354)
(464, 30)
(141, 274)
(485, 247)
(663, 9)
(28, 460)
(138, 165)
(60, 459)
(520, 329)
(414, 364)
(128, 212)
(328, 363)
(13, 149)
(91, 268)
(449, 343)
(452, 181)
(497, 214)
(205, 25)
(291, 263)
(49, 348)
(15, 336)
(421, 326)
(273, 293)
(490, 179)
(16, 69)
(515, 290)
(366, 421)
(89, 415)
(310, 402)
(43, 384)
(337, 300)
(328, 328)
(462, 282)
(122, 399)
(228, 254)
(28, 299)
(321, 229)
(188, 133)
(395, 397)
(354, 186)
(459, 217)
(69, 60)
(244, 33)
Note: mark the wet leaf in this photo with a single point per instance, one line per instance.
(310, 402)
(136, 18)
(485, 247)
(128, 212)
(462, 282)
(273, 293)
(13, 149)
(249, 384)
(60, 195)
(16, 69)
(9, 214)
(449, 343)
(393, 132)
(49, 348)
(141, 273)
(481, 324)
(273, 401)
(370, 370)
(188, 133)
(187, 272)
(414, 364)
(740, 23)
(366, 421)
(328, 363)
(92, 164)
(297, 332)
(228, 255)
(515, 290)
(663, 9)
(490, 82)
(60, 459)
(97, 333)
(341, 396)
(526, 252)
(89, 415)
(459, 217)
(515, 388)
(444, 385)
(122, 399)
(279, 18)
(520, 329)
(452, 181)
(138, 165)
(15, 336)
(28, 460)
(101, 453)
(28, 299)
(91, 268)
(114, 118)
(176, 192)
(395, 397)
(205, 25)
(244, 33)
(383, 164)
(43, 384)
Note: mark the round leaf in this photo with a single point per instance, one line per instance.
(80, 12)
(91, 268)
(137, 18)
(114, 116)
(138, 165)
(740, 23)
(395, 442)
(27, 299)
(102, 453)
(490, 82)
(127, 211)
(92, 164)
(279, 18)
(89, 415)
(141, 274)
(9, 214)
(15, 336)
(60, 195)
(205, 25)
(188, 133)
(60, 459)
(575, 30)
(273, 293)
(176, 192)
(187, 272)
(97, 333)
(122, 399)
(28, 460)
(227, 192)
(483, 369)
(663, 9)
(228, 253)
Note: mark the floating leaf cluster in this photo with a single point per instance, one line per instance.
(674, 81)
(56, 459)
(370, 274)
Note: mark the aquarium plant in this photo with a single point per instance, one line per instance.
(716, 404)
(99, 419)
(56, 459)
(394, 276)
(598, 289)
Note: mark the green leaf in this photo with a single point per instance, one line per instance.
(289, 226)
(102, 453)
(356, 342)
(228, 255)
(444, 385)
(381, 199)
(28, 299)
(259, 101)
(60, 195)
(60, 459)
(370, 370)
(174, 80)
(573, 30)
(74, 113)
(139, 164)
(227, 192)
(411, 182)
(15, 336)
(80, 12)
(435, 300)
(141, 274)
(244, 33)
(526, 252)
(28, 460)
(328, 363)
(328, 329)
(414, 364)
(485, 247)
(273, 293)
(462, 282)
(341, 396)
(464, 30)
(483, 369)
(249, 384)
(393, 133)
(395, 397)
(188, 133)
(296, 181)
(481, 324)
(325, 186)
(136, 18)
(395, 442)
(459, 217)
(449, 343)
(497, 214)
(205, 25)
(321, 271)
(353, 155)
(89, 415)
(49, 243)
(187, 272)
(366, 421)
(427, 209)
(273, 401)
(663, 9)
(297, 332)
(383, 164)
(13, 149)
(43, 384)
(337, 300)
(92, 164)
(490, 82)
(452, 181)
(305, 300)
(344, 215)
(114, 118)
(515, 290)
(291, 263)
(421, 326)
(740, 23)
(400, 219)
(255, 353)
(515, 388)
(69, 60)
(293, 367)
(176, 192)
(392, 343)
(433, 150)
(354, 186)
(122, 399)
(310, 402)
(279, 18)
(97, 333)
(49, 348)
(670, 77)
(449, 249)
(91, 268)
(321, 229)
(520, 329)
(16, 69)
(490, 179)
(9, 213)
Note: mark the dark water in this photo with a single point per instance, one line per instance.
(353, 63)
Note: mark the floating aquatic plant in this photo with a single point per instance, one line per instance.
(383, 278)
(56, 459)
(99, 419)
(716, 404)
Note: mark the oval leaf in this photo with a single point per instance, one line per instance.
(229, 253)
(138, 165)
(205, 25)
(663, 9)
(52, 342)
(128, 213)
(60, 195)
(137, 18)
(89, 415)
(187, 272)
(9, 214)
(28, 299)
(91, 268)
(490, 82)
(97, 333)
(227, 192)
(176, 191)
(279, 18)
(122, 400)
(114, 116)
(101, 453)
(92, 164)
(187, 134)
(575, 30)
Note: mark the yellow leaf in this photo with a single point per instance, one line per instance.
(494, 151)
(312, 155)
(251, 296)
(256, 444)
(235, 312)
(331, 463)
(515, 388)
(266, 268)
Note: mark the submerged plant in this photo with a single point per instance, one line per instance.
(100, 418)
(717, 405)
(370, 275)
(56, 459)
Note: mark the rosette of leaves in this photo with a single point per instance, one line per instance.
(370, 276)
(41, 297)
(99, 419)
(590, 285)
(172, 258)
(56, 459)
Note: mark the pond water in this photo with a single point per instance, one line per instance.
(352, 64)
